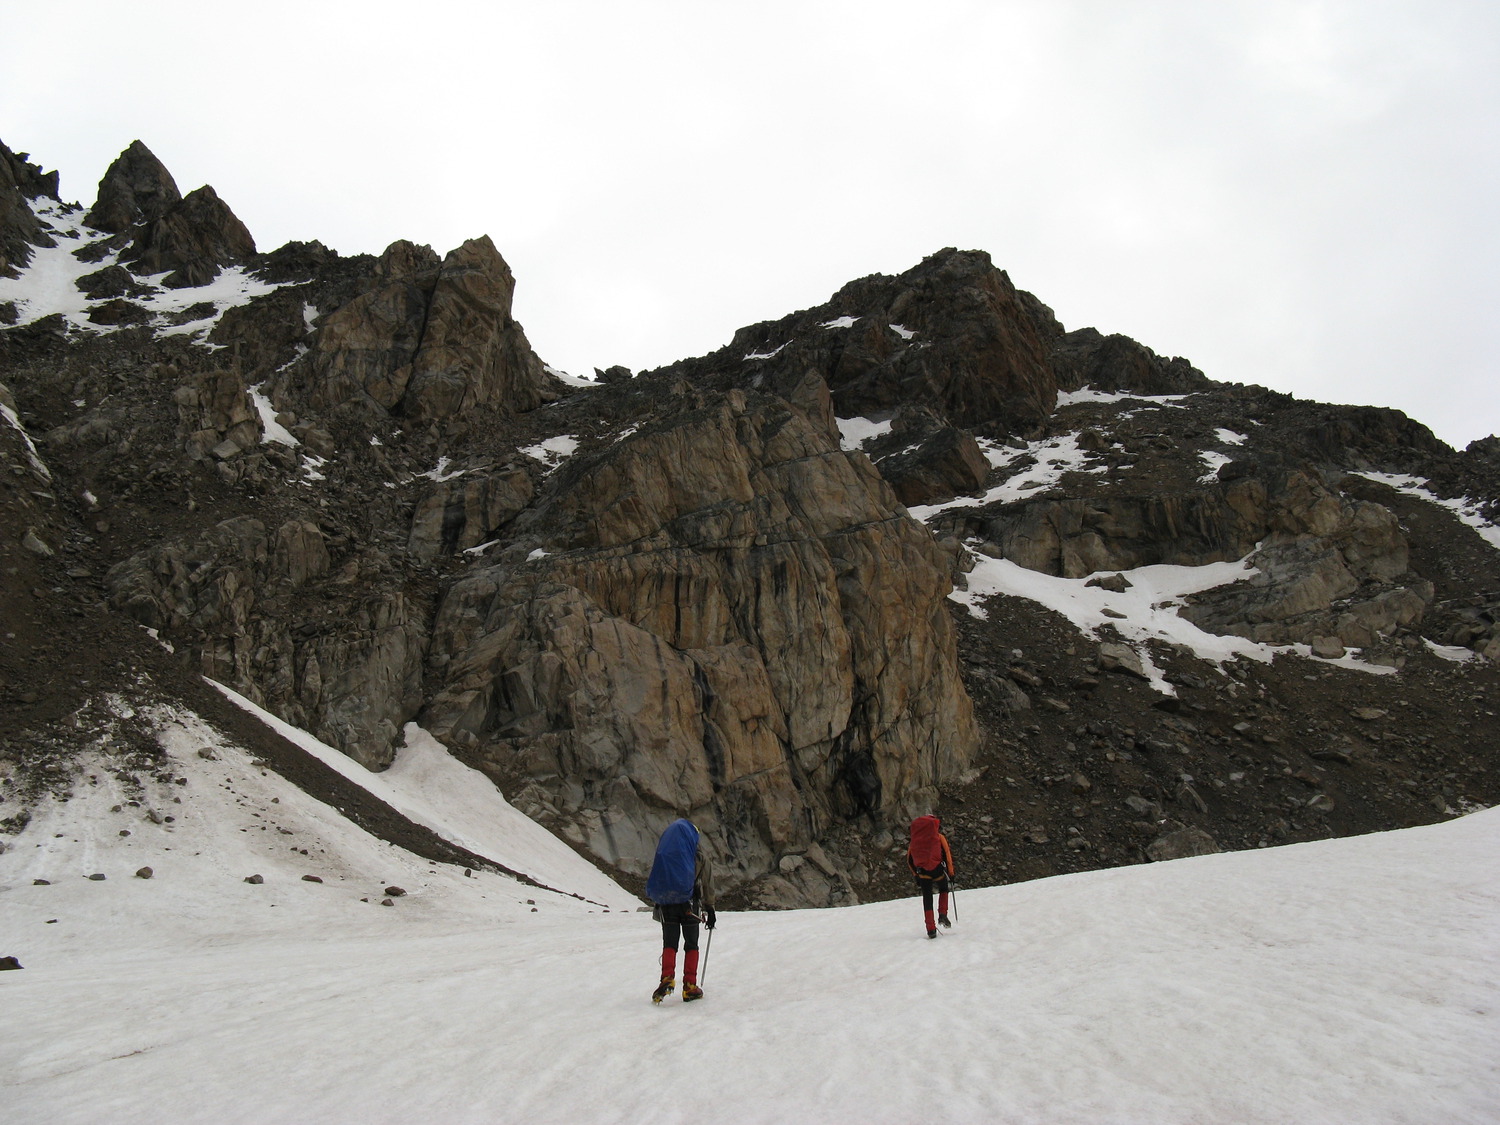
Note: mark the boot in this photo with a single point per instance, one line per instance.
(690, 989)
(943, 921)
(668, 976)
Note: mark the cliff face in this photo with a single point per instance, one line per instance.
(720, 613)
(737, 588)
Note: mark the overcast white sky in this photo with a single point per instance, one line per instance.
(1299, 194)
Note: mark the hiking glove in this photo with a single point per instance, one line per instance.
(709, 918)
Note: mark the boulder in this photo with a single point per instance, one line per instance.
(212, 409)
(1181, 844)
(1114, 657)
(944, 463)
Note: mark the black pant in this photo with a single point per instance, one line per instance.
(678, 920)
(928, 886)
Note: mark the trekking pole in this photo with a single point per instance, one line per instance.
(703, 968)
(953, 898)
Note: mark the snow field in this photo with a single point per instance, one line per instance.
(1349, 980)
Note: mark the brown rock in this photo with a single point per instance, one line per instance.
(299, 554)
(214, 410)
(364, 349)
(734, 621)
(945, 463)
(192, 240)
(455, 515)
(137, 188)
(472, 352)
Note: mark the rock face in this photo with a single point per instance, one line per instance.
(192, 240)
(215, 416)
(732, 622)
(1088, 358)
(458, 515)
(472, 352)
(952, 333)
(925, 459)
(428, 341)
(21, 182)
(136, 188)
(188, 238)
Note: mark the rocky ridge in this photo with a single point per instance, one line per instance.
(350, 490)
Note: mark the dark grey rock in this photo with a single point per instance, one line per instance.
(1181, 844)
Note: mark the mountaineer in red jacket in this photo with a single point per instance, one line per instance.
(931, 861)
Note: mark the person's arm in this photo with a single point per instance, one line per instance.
(947, 856)
(705, 879)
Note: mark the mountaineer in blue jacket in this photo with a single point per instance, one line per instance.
(681, 889)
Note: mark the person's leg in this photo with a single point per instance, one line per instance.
(943, 903)
(671, 934)
(926, 885)
(690, 989)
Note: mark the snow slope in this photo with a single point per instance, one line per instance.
(47, 284)
(429, 786)
(1355, 980)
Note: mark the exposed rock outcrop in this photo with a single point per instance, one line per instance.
(192, 241)
(455, 515)
(20, 230)
(215, 416)
(734, 623)
(1088, 358)
(136, 188)
(924, 459)
(429, 341)
(952, 333)
(188, 238)
(472, 353)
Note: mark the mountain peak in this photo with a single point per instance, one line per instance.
(137, 188)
